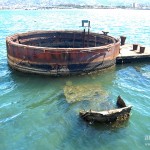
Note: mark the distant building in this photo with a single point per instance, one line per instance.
(134, 5)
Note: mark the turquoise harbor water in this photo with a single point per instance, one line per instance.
(37, 112)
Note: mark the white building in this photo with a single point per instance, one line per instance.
(134, 5)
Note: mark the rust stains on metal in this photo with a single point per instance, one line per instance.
(61, 52)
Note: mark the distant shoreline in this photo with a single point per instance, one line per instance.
(73, 7)
(42, 8)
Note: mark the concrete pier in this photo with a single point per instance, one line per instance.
(128, 55)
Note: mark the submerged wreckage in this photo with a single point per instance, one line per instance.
(122, 113)
(61, 52)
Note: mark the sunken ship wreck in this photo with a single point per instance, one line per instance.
(61, 52)
(122, 113)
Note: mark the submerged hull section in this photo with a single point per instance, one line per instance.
(106, 116)
(60, 52)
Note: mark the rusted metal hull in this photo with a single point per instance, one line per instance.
(120, 114)
(44, 52)
(106, 116)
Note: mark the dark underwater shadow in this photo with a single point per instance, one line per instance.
(110, 126)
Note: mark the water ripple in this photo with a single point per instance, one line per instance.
(7, 104)
(6, 87)
(10, 118)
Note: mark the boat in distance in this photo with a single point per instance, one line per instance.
(61, 52)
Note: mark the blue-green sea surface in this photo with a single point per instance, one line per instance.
(42, 113)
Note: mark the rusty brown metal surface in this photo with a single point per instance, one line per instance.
(61, 52)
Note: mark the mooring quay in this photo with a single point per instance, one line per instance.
(130, 53)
